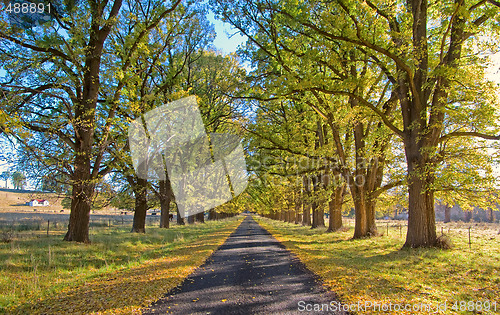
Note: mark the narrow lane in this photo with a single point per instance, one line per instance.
(251, 273)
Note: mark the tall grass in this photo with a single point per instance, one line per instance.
(40, 273)
(377, 270)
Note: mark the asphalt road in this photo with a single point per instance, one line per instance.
(251, 273)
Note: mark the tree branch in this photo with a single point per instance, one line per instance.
(456, 134)
(53, 51)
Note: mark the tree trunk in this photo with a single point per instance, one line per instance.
(191, 219)
(306, 214)
(200, 217)
(165, 198)
(491, 215)
(298, 205)
(360, 217)
(321, 216)
(79, 219)
(318, 217)
(306, 204)
(335, 209)
(314, 210)
(447, 214)
(165, 213)
(370, 217)
(468, 216)
(180, 220)
(421, 215)
(212, 214)
(141, 206)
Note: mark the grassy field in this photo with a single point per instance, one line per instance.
(15, 200)
(376, 270)
(12, 200)
(119, 273)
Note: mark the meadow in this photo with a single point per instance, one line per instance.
(377, 270)
(118, 273)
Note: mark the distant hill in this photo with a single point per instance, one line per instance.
(15, 200)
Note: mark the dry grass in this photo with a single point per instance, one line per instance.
(377, 270)
(119, 273)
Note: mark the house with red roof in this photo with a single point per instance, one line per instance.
(38, 203)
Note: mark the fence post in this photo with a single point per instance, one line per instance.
(387, 228)
(469, 238)
(48, 227)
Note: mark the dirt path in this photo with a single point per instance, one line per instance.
(251, 273)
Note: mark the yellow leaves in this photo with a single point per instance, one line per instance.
(223, 300)
(122, 289)
(388, 274)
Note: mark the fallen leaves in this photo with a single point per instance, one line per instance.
(133, 287)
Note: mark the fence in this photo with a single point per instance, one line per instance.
(463, 234)
(48, 224)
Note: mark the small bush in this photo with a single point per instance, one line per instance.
(7, 236)
(444, 242)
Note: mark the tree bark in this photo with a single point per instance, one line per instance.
(79, 219)
(191, 219)
(165, 195)
(317, 210)
(212, 214)
(298, 206)
(421, 214)
(141, 206)
(306, 205)
(447, 213)
(360, 218)
(180, 220)
(468, 216)
(200, 217)
(491, 215)
(335, 209)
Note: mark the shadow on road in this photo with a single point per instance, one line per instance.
(251, 273)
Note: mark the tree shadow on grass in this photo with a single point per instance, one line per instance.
(128, 290)
(123, 291)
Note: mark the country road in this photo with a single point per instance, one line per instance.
(251, 273)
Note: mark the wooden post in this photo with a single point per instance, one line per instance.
(400, 231)
(469, 239)
(48, 227)
(387, 228)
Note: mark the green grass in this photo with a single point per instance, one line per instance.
(120, 272)
(377, 270)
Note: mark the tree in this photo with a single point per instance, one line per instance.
(19, 180)
(292, 65)
(428, 55)
(55, 86)
(5, 176)
(162, 77)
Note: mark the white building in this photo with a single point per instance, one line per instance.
(38, 203)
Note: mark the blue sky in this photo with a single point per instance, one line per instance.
(227, 38)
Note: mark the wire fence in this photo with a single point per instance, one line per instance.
(21, 225)
(462, 234)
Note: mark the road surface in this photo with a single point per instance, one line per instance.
(251, 273)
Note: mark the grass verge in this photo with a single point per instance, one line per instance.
(377, 270)
(119, 273)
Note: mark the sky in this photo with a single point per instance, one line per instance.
(227, 38)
